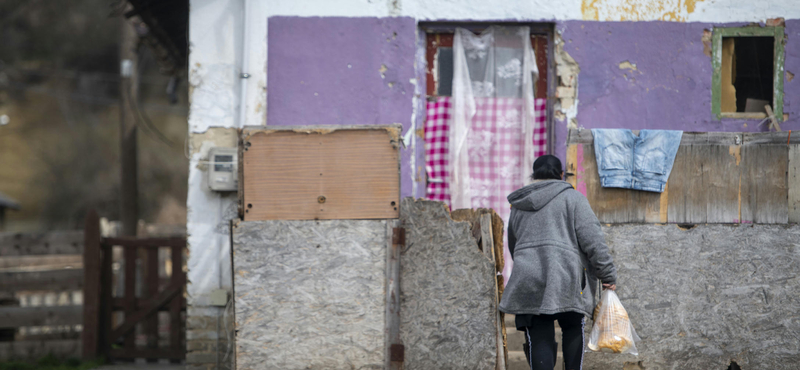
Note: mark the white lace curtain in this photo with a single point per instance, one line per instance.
(488, 68)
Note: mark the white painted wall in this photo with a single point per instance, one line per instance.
(215, 34)
(219, 32)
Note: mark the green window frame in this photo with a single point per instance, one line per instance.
(778, 71)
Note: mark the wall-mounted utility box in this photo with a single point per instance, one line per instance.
(319, 173)
(223, 169)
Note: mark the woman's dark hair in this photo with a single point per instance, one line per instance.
(547, 167)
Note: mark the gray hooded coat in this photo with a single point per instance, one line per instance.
(558, 251)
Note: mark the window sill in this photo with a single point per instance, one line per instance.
(743, 115)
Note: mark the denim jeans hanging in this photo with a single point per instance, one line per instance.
(642, 162)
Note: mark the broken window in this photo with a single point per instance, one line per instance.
(748, 78)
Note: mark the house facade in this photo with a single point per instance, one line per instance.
(695, 66)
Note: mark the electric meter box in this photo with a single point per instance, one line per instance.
(223, 169)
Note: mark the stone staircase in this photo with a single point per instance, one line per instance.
(516, 357)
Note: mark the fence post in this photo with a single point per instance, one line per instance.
(92, 255)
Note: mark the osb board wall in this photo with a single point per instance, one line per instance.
(487, 229)
(448, 306)
(716, 178)
(703, 297)
(321, 173)
(310, 294)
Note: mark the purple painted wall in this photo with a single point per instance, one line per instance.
(671, 88)
(324, 71)
(328, 71)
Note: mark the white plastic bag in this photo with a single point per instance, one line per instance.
(612, 330)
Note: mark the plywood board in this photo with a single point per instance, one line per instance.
(321, 174)
(794, 183)
(687, 198)
(721, 178)
(448, 308)
(704, 184)
(764, 190)
(310, 294)
(726, 287)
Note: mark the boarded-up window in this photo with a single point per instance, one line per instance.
(321, 174)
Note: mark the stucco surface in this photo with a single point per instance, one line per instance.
(666, 82)
(704, 297)
(310, 294)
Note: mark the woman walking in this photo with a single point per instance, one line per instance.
(559, 253)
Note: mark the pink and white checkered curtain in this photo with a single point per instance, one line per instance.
(495, 149)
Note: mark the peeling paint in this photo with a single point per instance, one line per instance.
(393, 131)
(213, 96)
(628, 65)
(567, 70)
(637, 10)
(706, 40)
(214, 136)
(736, 152)
(789, 76)
(383, 70)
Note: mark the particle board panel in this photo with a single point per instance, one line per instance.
(727, 287)
(321, 174)
(764, 189)
(448, 299)
(310, 294)
(793, 178)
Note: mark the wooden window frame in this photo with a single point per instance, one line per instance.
(778, 59)
(537, 28)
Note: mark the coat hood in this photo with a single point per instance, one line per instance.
(535, 196)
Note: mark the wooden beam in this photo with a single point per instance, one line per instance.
(145, 243)
(47, 262)
(169, 354)
(53, 242)
(92, 260)
(151, 289)
(177, 332)
(66, 279)
(17, 317)
(585, 136)
(487, 242)
(129, 297)
(118, 304)
(794, 183)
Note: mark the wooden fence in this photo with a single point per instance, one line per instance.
(76, 293)
(41, 278)
(119, 323)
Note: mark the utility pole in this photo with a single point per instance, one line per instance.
(128, 93)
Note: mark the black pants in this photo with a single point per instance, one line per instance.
(540, 344)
